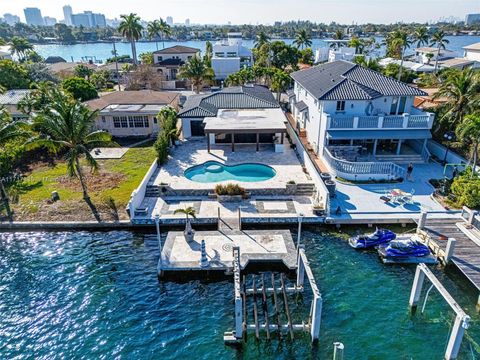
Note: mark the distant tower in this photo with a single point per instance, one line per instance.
(67, 15)
(187, 22)
(170, 20)
(33, 16)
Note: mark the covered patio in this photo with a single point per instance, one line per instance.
(247, 126)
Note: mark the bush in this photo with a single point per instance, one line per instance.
(161, 147)
(80, 89)
(229, 189)
(466, 191)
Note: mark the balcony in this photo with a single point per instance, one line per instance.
(405, 121)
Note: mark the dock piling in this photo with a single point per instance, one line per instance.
(287, 309)
(299, 235)
(265, 308)
(203, 260)
(450, 249)
(416, 289)
(338, 348)
(422, 221)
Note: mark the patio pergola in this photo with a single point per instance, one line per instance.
(256, 122)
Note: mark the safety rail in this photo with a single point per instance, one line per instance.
(405, 121)
(418, 121)
(392, 122)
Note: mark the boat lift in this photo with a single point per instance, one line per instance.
(462, 320)
(259, 294)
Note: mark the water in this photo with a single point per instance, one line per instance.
(103, 51)
(95, 295)
(213, 171)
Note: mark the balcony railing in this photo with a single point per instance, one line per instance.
(355, 170)
(405, 121)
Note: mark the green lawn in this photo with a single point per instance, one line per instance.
(115, 179)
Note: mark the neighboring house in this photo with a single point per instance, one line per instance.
(10, 99)
(235, 115)
(66, 69)
(472, 53)
(54, 60)
(229, 56)
(169, 60)
(411, 65)
(429, 102)
(422, 56)
(4, 55)
(354, 116)
(131, 113)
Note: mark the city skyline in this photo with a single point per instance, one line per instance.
(253, 12)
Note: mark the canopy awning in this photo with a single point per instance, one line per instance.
(379, 134)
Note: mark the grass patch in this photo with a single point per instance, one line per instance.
(116, 179)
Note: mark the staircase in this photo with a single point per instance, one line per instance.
(401, 159)
(153, 191)
(305, 189)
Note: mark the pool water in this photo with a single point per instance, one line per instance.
(95, 295)
(214, 171)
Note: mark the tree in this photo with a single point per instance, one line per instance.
(39, 72)
(208, 53)
(420, 37)
(188, 212)
(20, 47)
(146, 58)
(371, 63)
(261, 39)
(197, 71)
(168, 118)
(396, 71)
(9, 130)
(462, 89)
(100, 79)
(67, 125)
(339, 35)
(34, 57)
(357, 43)
(13, 75)
(469, 130)
(80, 89)
(438, 40)
(83, 71)
(64, 33)
(401, 40)
(306, 56)
(280, 82)
(283, 55)
(153, 31)
(165, 30)
(302, 39)
(131, 29)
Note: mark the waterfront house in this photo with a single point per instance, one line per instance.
(169, 60)
(131, 113)
(229, 56)
(5, 55)
(235, 115)
(428, 55)
(10, 100)
(472, 53)
(352, 116)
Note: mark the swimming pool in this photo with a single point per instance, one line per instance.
(214, 171)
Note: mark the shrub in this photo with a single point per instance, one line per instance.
(80, 89)
(466, 191)
(161, 147)
(229, 189)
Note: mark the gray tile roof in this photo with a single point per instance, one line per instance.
(238, 97)
(343, 80)
(301, 106)
(13, 97)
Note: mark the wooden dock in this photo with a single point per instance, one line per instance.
(466, 255)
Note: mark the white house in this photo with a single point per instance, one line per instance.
(5, 55)
(428, 55)
(229, 56)
(10, 100)
(169, 60)
(356, 117)
(472, 53)
(131, 113)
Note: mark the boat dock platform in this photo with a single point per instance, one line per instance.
(267, 248)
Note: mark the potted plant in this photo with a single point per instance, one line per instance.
(318, 209)
(230, 192)
(188, 211)
(291, 187)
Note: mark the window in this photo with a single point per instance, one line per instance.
(116, 121)
(138, 121)
(341, 105)
(103, 118)
(124, 122)
(130, 121)
(393, 108)
(401, 106)
(155, 121)
(398, 105)
(160, 58)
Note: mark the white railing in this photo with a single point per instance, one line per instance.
(138, 194)
(405, 121)
(363, 170)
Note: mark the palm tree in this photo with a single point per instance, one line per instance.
(302, 39)
(188, 211)
(470, 130)
(438, 39)
(261, 39)
(165, 30)
(168, 118)
(208, 53)
(153, 31)
(280, 82)
(197, 71)
(357, 43)
(371, 63)
(420, 36)
(462, 89)
(9, 130)
(402, 41)
(131, 29)
(20, 47)
(339, 35)
(66, 124)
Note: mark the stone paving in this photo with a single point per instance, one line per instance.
(194, 152)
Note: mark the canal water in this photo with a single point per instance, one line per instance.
(95, 295)
(103, 51)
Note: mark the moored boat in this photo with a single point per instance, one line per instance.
(403, 248)
(365, 241)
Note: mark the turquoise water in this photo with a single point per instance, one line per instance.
(103, 51)
(95, 295)
(213, 171)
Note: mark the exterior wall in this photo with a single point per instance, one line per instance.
(183, 57)
(472, 55)
(105, 122)
(186, 129)
(357, 108)
(225, 66)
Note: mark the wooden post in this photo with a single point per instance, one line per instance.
(258, 142)
(416, 288)
(450, 250)
(265, 308)
(300, 271)
(281, 138)
(275, 302)
(255, 312)
(471, 216)
(453, 346)
(233, 142)
(287, 309)
(299, 234)
(422, 221)
(316, 317)
(338, 351)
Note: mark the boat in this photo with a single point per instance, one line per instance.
(404, 248)
(365, 241)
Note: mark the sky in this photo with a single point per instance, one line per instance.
(259, 11)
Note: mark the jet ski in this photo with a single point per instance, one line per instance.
(401, 248)
(380, 236)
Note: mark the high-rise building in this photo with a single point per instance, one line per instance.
(33, 16)
(170, 20)
(187, 22)
(99, 20)
(89, 19)
(11, 19)
(67, 15)
(49, 21)
(80, 20)
(471, 19)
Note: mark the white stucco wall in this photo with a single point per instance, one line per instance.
(473, 55)
(225, 66)
(183, 57)
(105, 122)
